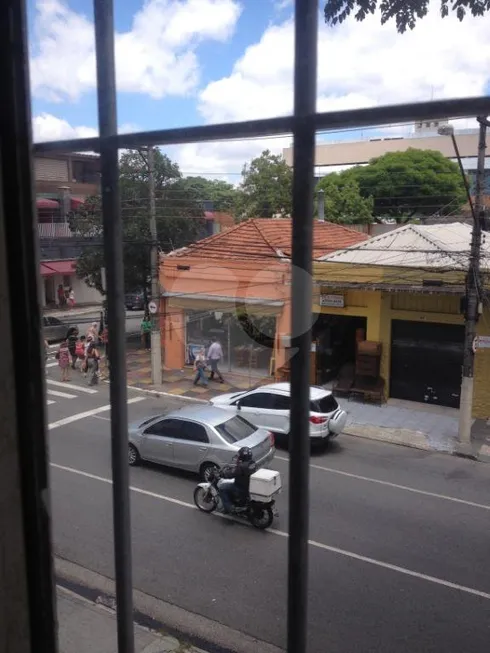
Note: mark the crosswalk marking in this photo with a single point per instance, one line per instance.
(50, 401)
(56, 393)
(52, 364)
(72, 386)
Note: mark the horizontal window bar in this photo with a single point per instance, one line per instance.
(349, 119)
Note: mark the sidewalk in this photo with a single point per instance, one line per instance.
(423, 426)
(87, 627)
(180, 382)
(88, 309)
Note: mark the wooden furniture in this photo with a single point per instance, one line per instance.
(367, 384)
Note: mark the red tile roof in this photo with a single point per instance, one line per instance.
(260, 238)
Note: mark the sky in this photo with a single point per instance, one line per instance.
(190, 62)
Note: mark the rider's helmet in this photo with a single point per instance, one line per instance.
(245, 454)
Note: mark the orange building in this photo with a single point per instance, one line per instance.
(235, 286)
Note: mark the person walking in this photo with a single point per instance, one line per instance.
(146, 332)
(72, 339)
(92, 331)
(200, 367)
(63, 357)
(93, 360)
(215, 354)
(71, 297)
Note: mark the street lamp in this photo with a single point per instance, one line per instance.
(448, 130)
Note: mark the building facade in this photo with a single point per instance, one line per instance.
(236, 286)
(62, 183)
(405, 289)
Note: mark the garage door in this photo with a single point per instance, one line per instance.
(426, 360)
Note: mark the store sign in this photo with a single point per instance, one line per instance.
(336, 301)
(481, 342)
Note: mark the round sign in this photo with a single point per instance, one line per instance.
(152, 307)
(475, 344)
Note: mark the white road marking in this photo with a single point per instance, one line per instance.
(50, 401)
(80, 388)
(106, 419)
(51, 364)
(56, 393)
(313, 543)
(405, 488)
(87, 413)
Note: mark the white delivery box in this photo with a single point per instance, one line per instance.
(264, 484)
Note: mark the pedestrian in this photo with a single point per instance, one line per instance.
(92, 331)
(80, 352)
(61, 296)
(72, 338)
(146, 332)
(46, 352)
(200, 367)
(63, 357)
(93, 359)
(104, 341)
(71, 297)
(215, 354)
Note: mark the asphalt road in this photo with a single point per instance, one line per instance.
(398, 551)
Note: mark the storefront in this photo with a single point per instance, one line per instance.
(247, 340)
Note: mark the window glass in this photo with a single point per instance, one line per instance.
(325, 404)
(256, 400)
(193, 432)
(235, 429)
(281, 402)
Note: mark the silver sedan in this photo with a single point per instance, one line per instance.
(198, 439)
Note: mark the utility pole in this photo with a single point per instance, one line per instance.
(156, 346)
(473, 302)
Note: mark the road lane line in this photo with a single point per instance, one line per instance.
(80, 388)
(52, 364)
(106, 419)
(88, 413)
(406, 488)
(313, 543)
(56, 393)
(50, 401)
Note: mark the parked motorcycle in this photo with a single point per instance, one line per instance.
(257, 508)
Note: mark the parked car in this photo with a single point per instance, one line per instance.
(135, 301)
(268, 407)
(54, 330)
(199, 439)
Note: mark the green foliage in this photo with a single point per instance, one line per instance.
(179, 219)
(343, 201)
(266, 187)
(411, 183)
(405, 14)
(223, 195)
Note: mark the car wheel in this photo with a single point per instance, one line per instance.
(133, 455)
(207, 470)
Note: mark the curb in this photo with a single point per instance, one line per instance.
(159, 393)
(160, 616)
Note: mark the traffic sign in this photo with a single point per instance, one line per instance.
(152, 307)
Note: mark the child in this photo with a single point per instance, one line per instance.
(80, 351)
(63, 356)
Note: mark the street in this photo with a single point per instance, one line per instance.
(398, 549)
(133, 320)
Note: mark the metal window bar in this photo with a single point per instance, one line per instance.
(303, 125)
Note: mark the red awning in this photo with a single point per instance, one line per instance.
(50, 268)
(44, 203)
(75, 203)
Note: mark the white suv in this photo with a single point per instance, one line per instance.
(268, 407)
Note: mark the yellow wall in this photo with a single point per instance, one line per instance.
(380, 308)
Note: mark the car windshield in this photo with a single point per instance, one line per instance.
(326, 404)
(235, 429)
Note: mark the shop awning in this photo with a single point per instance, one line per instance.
(45, 203)
(51, 268)
(193, 301)
(75, 203)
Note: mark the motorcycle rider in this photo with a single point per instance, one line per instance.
(238, 488)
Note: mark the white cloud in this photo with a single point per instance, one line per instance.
(47, 127)
(157, 56)
(360, 65)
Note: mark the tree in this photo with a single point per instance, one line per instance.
(405, 14)
(411, 183)
(179, 220)
(343, 200)
(224, 196)
(266, 188)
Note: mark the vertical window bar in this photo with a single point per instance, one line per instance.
(305, 72)
(113, 251)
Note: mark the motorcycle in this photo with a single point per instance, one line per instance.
(259, 511)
